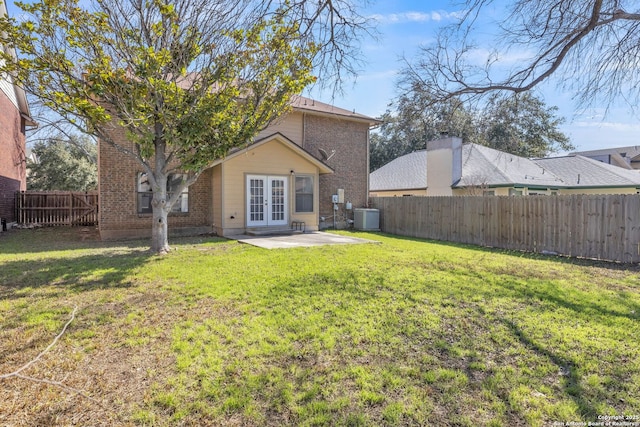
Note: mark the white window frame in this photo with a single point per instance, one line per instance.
(312, 194)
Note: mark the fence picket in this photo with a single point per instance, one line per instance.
(591, 226)
(57, 208)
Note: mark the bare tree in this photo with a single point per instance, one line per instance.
(592, 47)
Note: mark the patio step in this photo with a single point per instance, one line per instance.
(272, 231)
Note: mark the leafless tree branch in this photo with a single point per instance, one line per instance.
(591, 47)
(18, 372)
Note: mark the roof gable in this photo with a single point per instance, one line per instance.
(280, 138)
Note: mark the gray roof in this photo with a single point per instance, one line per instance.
(485, 166)
(299, 102)
(493, 168)
(404, 173)
(579, 171)
(302, 103)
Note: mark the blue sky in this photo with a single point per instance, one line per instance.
(404, 25)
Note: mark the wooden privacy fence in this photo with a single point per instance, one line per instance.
(605, 227)
(57, 208)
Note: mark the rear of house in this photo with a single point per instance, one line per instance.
(287, 176)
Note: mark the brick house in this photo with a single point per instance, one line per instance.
(14, 117)
(289, 173)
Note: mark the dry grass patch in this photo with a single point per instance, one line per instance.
(407, 332)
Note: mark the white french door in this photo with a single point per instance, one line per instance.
(266, 200)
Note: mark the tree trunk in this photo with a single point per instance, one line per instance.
(159, 231)
(160, 209)
(159, 205)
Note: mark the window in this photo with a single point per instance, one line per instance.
(145, 195)
(489, 193)
(514, 192)
(304, 194)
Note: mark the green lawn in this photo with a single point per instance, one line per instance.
(404, 332)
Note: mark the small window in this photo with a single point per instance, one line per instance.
(514, 192)
(145, 195)
(304, 194)
(489, 193)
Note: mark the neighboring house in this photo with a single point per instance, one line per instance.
(625, 157)
(449, 168)
(289, 173)
(14, 118)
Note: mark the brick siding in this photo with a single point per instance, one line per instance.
(350, 140)
(117, 186)
(12, 157)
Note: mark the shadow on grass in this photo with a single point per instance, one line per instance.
(103, 270)
(566, 368)
(583, 304)
(59, 260)
(64, 259)
(49, 239)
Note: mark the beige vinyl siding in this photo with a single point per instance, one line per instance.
(479, 191)
(309, 218)
(274, 159)
(399, 193)
(290, 126)
(628, 190)
(504, 191)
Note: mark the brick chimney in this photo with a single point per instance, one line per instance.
(444, 165)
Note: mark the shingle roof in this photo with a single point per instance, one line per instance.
(405, 172)
(298, 102)
(488, 167)
(579, 171)
(307, 104)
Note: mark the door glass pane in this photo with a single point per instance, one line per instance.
(277, 200)
(256, 187)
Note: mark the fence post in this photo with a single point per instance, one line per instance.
(591, 226)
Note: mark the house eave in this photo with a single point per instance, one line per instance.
(370, 121)
(322, 168)
(399, 189)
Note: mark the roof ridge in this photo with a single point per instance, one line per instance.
(492, 163)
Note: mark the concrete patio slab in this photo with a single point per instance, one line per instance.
(299, 240)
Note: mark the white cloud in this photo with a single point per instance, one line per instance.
(482, 56)
(614, 126)
(413, 16)
(380, 75)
